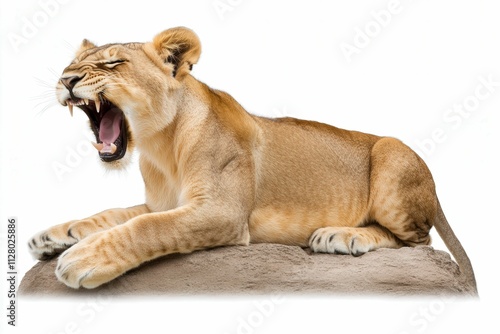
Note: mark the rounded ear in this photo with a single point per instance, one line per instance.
(86, 45)
(179, 46)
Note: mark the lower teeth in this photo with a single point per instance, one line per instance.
(105, 148)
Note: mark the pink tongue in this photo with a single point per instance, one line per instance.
(109, 129)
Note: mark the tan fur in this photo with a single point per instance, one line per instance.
(216, 175)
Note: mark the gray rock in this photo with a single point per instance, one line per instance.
(272, 269)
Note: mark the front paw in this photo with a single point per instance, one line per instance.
(91, 263)
(46, 244)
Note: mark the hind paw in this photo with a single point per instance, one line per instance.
(339, 240)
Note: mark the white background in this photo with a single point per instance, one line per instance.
(277, 58)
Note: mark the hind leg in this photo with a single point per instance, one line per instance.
(402, 192)
(401, 208)
(352, 240)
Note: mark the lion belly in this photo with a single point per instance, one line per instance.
(309, 176)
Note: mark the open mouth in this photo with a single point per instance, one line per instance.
(108, 124)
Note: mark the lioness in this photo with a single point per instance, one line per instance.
(216, 175)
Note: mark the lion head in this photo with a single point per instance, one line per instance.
(125, 89)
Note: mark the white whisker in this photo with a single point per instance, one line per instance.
(54, 73)
(70, 47)
(45, 100)
(45, 106)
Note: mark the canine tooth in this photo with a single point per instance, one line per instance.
(97, 146)
(86, 101)
(70, 107)
(97, 105)
(113, 148)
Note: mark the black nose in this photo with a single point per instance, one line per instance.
(70, 82)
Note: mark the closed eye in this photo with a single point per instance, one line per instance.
(113, 63)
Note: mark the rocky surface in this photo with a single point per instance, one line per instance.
(270, 269)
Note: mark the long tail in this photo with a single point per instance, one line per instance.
(455, 247)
